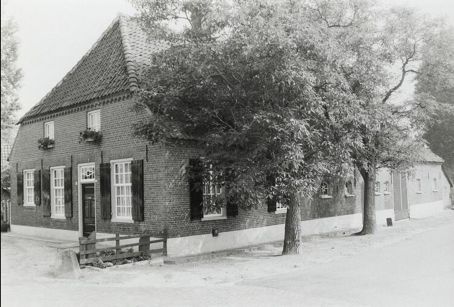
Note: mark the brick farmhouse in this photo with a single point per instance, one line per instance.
(89, 171)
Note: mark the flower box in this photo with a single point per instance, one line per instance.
(90, 136)
(46, 143)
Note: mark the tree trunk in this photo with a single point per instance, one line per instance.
(369, 219)
(292, 240)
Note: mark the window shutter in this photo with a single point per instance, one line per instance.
(196, 188)
(106, 206)
(68, 193)
(37, 187)
(45, 192)
(137, 190)
(271, 200)
(232, 209)
(20, 188)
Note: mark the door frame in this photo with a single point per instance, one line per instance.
(80, 182)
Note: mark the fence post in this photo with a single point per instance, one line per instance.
(82, 248)
(144, 246)
(164, 243)
(117, 244)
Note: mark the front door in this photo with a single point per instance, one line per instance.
(400, 196)
(88, 208)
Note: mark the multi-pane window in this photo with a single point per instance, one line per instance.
(377, 187)
(87, 172)
(213, 204)
(49, 130)
(418, 185)
(386, 187)
(94, 120)
(122, 189)
(57, 177)
(435, 184)
(324, 188)
(29, 188)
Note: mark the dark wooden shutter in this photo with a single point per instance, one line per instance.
(106, 205)
(68, 192)
(195, 177)
(20, 188)
(232, 209)
(271, 200)
(137, 190)
(37, 186)
(45, 192)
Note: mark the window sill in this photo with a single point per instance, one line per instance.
(434, 190)
(58, 217)
(349, 195)
(377, 194)
(213, 218)
(30, 205)
(326, 196)
(387, 193)
(118, 220)
(281, 211)
(418, 192)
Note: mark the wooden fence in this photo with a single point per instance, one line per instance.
(89, 252)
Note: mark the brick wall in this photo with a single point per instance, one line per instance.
(166, 192)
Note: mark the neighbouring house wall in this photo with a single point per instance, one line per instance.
(384, 200)
(428, 200)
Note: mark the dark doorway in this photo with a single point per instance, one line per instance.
(88, 208)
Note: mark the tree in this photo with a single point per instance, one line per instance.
(10, 74)
(435, 82)
(258, 86)
(386, 48)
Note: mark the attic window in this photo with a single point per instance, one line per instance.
(94, 120)
(49, 130)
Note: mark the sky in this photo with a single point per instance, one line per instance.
(54, 34)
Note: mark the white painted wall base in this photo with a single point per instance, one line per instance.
(46, 233)
(382, 215)
(200, 244)
(426, 209)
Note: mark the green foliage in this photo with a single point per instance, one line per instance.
(89, 135)
(45, 143)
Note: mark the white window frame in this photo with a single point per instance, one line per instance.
(49, 130)
(324, 190)
(418, 186)
(115, 218)
(377, 188)
(94, 120)
(27, 188)
(280, 208)
(346, 191)
(435, 184)
(53, 190)
(386, 188)
(213, 189)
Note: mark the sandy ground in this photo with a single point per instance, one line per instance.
(410, 264)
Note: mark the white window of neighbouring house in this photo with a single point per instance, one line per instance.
(29, 189)
(324, 190)
(213, 202)
(435, 185)
(377, 187)
(418, 185)
(94, 120)
(57, 198)
(386, 187)
(49, 130)
(349, 188)
(121, 189)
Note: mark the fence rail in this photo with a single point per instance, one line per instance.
(89, 252)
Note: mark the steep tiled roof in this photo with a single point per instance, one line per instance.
(111, 66)
(426, 155)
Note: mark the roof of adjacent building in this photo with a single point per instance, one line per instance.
(426, 155)
(111, 66)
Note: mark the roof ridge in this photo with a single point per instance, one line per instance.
(69, 73)
(131, 67)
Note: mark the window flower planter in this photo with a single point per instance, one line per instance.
(46, 143)
(90, 136)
